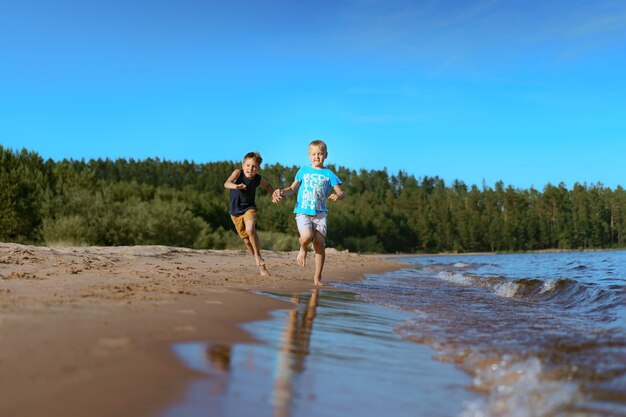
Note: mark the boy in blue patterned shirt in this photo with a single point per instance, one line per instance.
(313, 184)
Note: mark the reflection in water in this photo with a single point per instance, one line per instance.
(293, 374)
(234, 371)
(294, 348)
(218, 356)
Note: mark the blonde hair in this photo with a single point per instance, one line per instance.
(253, 155)
(319, 143)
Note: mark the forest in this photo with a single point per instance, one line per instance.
(158, 202)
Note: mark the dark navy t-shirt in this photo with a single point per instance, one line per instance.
(243, 200)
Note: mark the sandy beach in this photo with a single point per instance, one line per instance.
(88, 330)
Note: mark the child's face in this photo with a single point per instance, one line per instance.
(250, 168)
(317, 156)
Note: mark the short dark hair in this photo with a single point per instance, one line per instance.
(253, 155)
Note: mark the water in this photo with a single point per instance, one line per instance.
(525, 335)
(540, 334)
(332, 356)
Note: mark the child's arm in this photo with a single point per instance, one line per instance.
(339, 193)
(268, 187)
(285, 192)
(230, 181)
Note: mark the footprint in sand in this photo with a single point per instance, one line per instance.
(115, 342)
(185, 328)
(106, 346)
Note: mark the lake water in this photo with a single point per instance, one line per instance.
(523, 335)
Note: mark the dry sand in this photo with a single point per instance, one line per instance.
(86, 331)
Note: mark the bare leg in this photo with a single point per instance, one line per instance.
(246, 240)
(319, 244)
(256, 248)
(305, 239)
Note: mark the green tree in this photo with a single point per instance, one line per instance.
(22, 186)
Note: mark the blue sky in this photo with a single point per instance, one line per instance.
(527, 92)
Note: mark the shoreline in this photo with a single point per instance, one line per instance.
(443, 254)
(88, 330)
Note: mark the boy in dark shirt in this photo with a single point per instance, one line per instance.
(243, 184)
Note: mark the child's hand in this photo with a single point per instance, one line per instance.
(240, 187)
(276, 196)
(333, 197)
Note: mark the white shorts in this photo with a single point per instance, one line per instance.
(317, 222)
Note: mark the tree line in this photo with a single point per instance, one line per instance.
(153, 201)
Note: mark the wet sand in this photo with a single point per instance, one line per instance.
(88, 331)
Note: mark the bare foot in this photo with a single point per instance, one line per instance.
(318, 282)
(263, 271)
(260, 261)
(301, 257)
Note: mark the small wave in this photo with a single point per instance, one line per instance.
(518, 389)
(515, 383)
(499, 285)
(549, 286)
(455, 277)
(565, 291)
(507, 289)
(576, 265)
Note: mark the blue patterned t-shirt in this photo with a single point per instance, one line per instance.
(315, 184)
